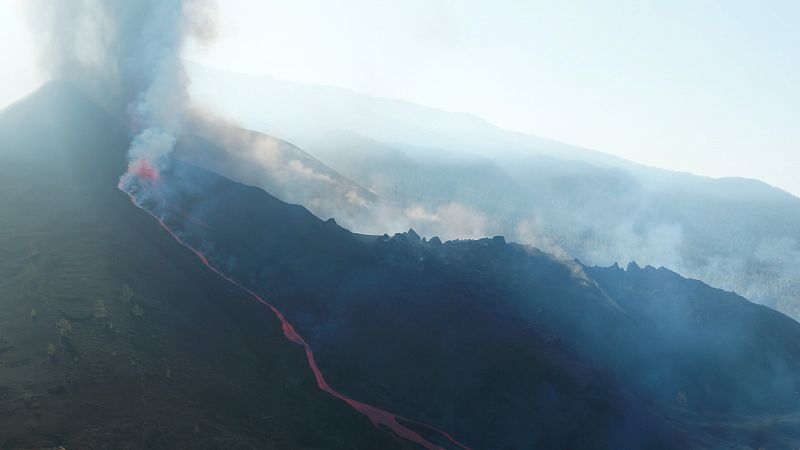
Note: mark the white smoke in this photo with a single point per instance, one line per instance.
(126, 55)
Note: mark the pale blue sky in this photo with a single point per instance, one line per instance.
(709, 87)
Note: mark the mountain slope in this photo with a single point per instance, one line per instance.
(456, 176)
(284, 170)
(112, 335)
(374, 319)
(499, 344)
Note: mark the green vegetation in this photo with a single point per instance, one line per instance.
(63, 327)
(137, 310)
(100, 311)
(126, 294)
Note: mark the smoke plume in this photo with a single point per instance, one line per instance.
(126, 56)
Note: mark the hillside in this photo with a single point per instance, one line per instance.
(457, 176)
(501, 344)
(112, 335)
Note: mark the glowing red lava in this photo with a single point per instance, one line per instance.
(143, 170)
(380, 419)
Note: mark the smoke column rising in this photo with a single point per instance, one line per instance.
(126, 56)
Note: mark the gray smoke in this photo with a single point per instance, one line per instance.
(125, 54)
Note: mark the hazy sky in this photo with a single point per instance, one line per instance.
(710, 87)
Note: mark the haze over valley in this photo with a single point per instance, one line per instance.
(458, 177)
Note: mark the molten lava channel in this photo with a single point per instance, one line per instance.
(381, 419)
(143, 170)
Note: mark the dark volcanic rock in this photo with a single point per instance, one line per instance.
(504, 345)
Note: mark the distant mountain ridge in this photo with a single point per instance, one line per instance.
(328, 109)
(457, 176)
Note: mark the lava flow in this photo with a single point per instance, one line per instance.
(380, 419)
(143, 170)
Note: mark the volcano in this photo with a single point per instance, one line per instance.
(500, 344)
(143, 170)
(192, 310)
(112, 334)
